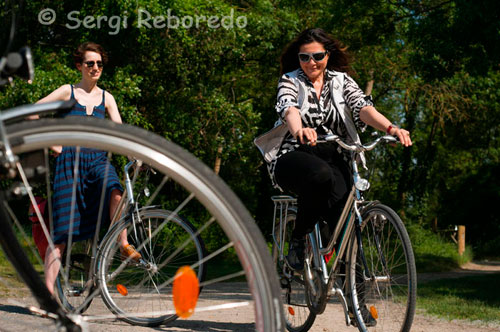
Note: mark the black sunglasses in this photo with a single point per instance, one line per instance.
(306, 57)
(90, 64)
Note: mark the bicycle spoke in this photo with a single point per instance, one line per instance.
(72, 214)
(157, 191)
(204, 260)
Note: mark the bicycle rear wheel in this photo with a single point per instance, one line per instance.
(298, 316)
(383, 290)
(73, 294)
(171, 243)
(181, 184)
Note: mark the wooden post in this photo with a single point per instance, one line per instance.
(435, 225)
(461, 239)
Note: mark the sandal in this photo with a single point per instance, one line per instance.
(129, 252)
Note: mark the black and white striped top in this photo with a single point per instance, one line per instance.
(321, 114)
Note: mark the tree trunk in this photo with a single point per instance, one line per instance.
(218, 159)
(369, 84)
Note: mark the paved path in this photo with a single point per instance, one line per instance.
(241, 319)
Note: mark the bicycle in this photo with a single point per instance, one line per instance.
(367, 262)
(86, 269)
(182, 185)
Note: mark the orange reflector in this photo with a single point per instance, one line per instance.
(185, 291)
(291, 311)
(122, 289)
(374, 312)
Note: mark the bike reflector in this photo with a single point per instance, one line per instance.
(373, 312)
(185, 291)
(122, 289)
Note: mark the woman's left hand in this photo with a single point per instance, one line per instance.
(402, 134)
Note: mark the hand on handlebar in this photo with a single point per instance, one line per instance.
(403, 135)
(306, 135)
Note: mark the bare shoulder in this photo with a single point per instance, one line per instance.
(109, 97)
(112, 108)
(65, 91)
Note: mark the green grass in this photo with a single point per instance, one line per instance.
(434, 253)
(10, 282)
(470, 298)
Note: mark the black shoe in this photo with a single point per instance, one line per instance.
(295, 256)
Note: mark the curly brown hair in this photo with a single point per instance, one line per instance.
(339, 58)
(79, 53)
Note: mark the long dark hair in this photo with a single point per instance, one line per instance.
(338, 60)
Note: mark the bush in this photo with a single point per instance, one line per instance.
(433, 252)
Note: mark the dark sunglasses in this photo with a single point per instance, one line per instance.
(90, 64)
(306, 57)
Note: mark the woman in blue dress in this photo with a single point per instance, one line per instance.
(80, 215)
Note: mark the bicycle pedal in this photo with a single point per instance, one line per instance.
(284, 282)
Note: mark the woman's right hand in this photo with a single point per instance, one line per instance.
(306, 135)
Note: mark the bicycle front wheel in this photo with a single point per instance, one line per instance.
(171, 243)
(381, 274)
(237, 259)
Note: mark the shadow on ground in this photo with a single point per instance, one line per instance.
(15, 309)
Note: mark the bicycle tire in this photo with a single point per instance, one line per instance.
(165, 245)
(298, 316)
(16, 255)
(73, 296)
(317, 303)
(207, 192)
(388, 291)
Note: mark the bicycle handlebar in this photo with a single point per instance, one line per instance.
(355, 147)
(21, 112)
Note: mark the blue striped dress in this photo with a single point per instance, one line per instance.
(90, 179)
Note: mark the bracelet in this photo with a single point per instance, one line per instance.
(388, 131)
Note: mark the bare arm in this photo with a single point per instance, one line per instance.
(294, 123)
(112, 108)
(372, 117)
(61, 93)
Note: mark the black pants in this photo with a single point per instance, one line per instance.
(320, 178)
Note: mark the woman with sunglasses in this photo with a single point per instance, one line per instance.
(316, 96)
(95, 171)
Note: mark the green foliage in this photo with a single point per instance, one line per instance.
(211, 90)
(434, 253)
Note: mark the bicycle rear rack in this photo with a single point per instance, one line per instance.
(281, 204)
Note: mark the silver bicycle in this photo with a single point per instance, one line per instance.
(157, 234)
(367, 263)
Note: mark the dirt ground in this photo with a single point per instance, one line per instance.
(241, 319)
